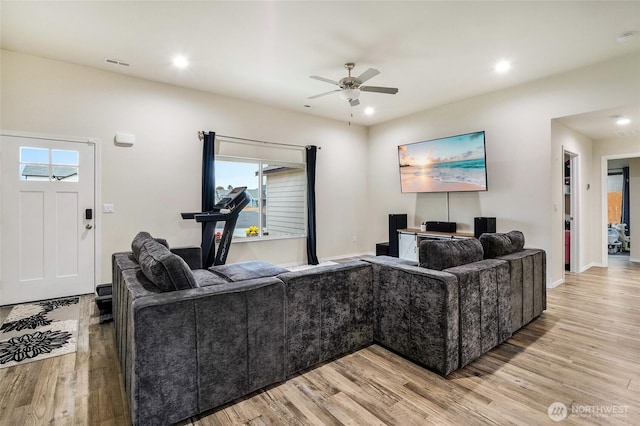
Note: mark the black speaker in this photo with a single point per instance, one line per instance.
(442, 226)
(396, 221)
(482, 225)
(382, 249)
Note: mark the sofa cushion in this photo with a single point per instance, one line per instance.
(329, 312)
(442, 254)
(163, 268)
(140, 239)
(247, 270)
(485, 306)
(206, 278)
(496, 244)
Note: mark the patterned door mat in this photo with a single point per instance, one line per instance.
(39, 330)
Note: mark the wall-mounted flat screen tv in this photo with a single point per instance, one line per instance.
(451, 164)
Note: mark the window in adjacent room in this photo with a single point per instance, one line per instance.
(277, 189)
(614, 197)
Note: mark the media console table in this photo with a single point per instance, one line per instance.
(409, 240)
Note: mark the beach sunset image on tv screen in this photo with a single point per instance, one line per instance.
(452, 164)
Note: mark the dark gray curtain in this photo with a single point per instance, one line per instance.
(208, 173)
(312, 257)
(625, 199)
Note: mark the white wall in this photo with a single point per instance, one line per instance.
(603, 150)
(523, 165)
(159, 177)
(566, 139)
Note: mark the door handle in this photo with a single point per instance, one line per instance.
(88, 226)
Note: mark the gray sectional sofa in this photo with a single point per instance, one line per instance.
(191, 339)
(527, 274)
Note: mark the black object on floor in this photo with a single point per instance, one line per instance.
(104, 300)
(382, 249)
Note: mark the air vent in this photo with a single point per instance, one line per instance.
(117, 62)
(628, 133)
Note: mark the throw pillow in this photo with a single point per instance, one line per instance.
(164, 269)
(496, 244)
(444, 254)
(140, 239)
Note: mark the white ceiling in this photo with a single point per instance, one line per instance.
(601, 125)
(434, 52)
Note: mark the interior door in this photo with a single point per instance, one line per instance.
(47, 219)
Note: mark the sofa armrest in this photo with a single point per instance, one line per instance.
(219, 342)
(192, 255)
(329, 312)
(485, 306)
(417, 313)
(528, 272)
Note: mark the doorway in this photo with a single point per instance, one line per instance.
(612, 165)
(48, 204)
(571, 210)
(618, 198)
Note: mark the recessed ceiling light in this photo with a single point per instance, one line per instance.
(502, 67)
(180, 61)
(369, 110)
(622, 121)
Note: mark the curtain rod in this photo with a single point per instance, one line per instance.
(290, 146)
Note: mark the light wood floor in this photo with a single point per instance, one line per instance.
(584, 350)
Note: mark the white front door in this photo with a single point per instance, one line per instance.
(47, 236)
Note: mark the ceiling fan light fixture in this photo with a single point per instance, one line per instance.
(349, 87)
(349, 94)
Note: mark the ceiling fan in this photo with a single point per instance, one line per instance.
(350, 87)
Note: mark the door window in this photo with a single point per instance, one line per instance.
(41, 164)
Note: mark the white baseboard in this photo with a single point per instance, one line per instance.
(556, 284)
(634, 260)
(584, 268)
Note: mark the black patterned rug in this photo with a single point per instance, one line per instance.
(39, 330)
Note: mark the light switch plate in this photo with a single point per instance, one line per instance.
(107, 208)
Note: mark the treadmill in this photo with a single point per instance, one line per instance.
(227, 211)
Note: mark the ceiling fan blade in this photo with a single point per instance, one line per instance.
(388, 90)
(325, 93)
(354, 102)
(325, 80)
(370, 73)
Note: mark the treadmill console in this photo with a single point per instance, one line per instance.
(226, 210)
